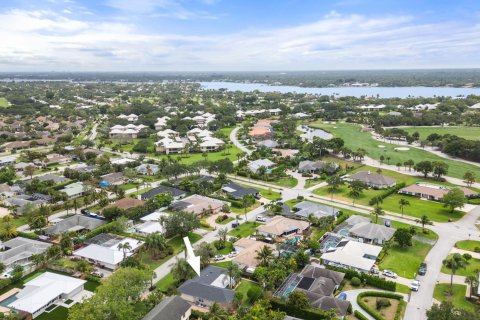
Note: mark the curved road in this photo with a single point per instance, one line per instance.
(233, 138)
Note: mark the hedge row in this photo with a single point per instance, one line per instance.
(111, 227)
(387, 193)
(368, 278)
(29, 235)
(374, 313)
(310, 314)
(359, 315)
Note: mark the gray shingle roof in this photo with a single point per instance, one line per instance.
(372, 231)
(170, 308)
(201, 286)
(306, 208)
(74, 221)
(238, 191)
(21, 248)
(161, 189)
(372, 178)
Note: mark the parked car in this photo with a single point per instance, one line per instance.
(85, 212)
(261, 219)
(97, 274)
(235, 224)
(387, 223)
(219, 257)
(232, 254)
(390, 274)
(423, 269)
(374, 270)
(415, 285)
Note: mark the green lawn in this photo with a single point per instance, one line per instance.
(242, 210)
(418, 207)
(457, 298)
(355, 139)
(243, 288)
(405, 261)
(402, 288)
(244, 230)
(91, 285)
(468, 245)
(60, 313)
(470, 133)
(287, 182)
(428, 234)
(224, 222)
(266, 193)
(228, 248)
(3, 103)
(312, 182)
(177, 245)
(470, 270)
(165, 282)
(222, 264)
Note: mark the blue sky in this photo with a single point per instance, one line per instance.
(243, 35)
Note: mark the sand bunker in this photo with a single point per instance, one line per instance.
(402, 149)
(381, 146)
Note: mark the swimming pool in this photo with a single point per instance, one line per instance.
(6, 302)
(330, 245)
(343, 232)
(290, 288)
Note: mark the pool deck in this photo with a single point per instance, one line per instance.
(9, 293)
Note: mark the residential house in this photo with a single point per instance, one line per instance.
(269, 144)
(308, 166)
(45, 290)
(280, 226)
(5, 161)
(369, 232)
(149, 227)
(208, 288)
(52, 177)
(74, 223)
(148, 169)
(260, 132)
(74, 190)
(18, 251)
(275, 112)
(247, 252)
(161, 123)
(106, 250)
(236, 191)
(198, 204)
(130, 131)
(55, 158)
(319, 285)
(433, 192)
(176, 193)
(112, 179)
(130, 118)
(255, 165)
(170, 308)
(304, 209)
(126, 203)
(352, 255)
(372, 179)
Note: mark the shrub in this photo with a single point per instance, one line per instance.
(372, 312)
(467, 256)
(306, 314)
(356, 281)
(300, 197)
(367, 278)
(387, 193)
(382, 303)
(477, 249)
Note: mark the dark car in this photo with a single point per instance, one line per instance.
(85, 212)
(235, 224)
(423, 269)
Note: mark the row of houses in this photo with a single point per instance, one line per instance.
(171, 142)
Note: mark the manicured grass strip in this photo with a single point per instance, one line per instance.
(60, 313)
(243, 288)
(266, 193)
(244, 230)
(468, 245)
(165, 282)
(471, 268)
(287, 182)
(405, 261)
(228, 248)
(3, 103)
(222, 264)
(470, 133)
(457, 298)
(355, 139)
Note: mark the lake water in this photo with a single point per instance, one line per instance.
(383, 92)
(309, 133)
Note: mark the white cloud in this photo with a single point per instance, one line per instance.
(44, 40)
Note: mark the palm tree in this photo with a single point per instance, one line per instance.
(233, 272)
(155, 242)
(377, 212)
(222, 235)
(473, 282)
(8, 229)
(216, 312)
(403, 203)
(457, 261)
(423, 220)
(264, 255)
(124, 247)
(334, 182)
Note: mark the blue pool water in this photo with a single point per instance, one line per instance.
(343, 232)
(6, 302)
(290, 288)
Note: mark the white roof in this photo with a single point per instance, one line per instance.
(154, 216)
(39, 291)
(149, 227)
(353, 254)
(109, 255)
(121, 161)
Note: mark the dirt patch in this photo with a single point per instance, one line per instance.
(387, 312)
